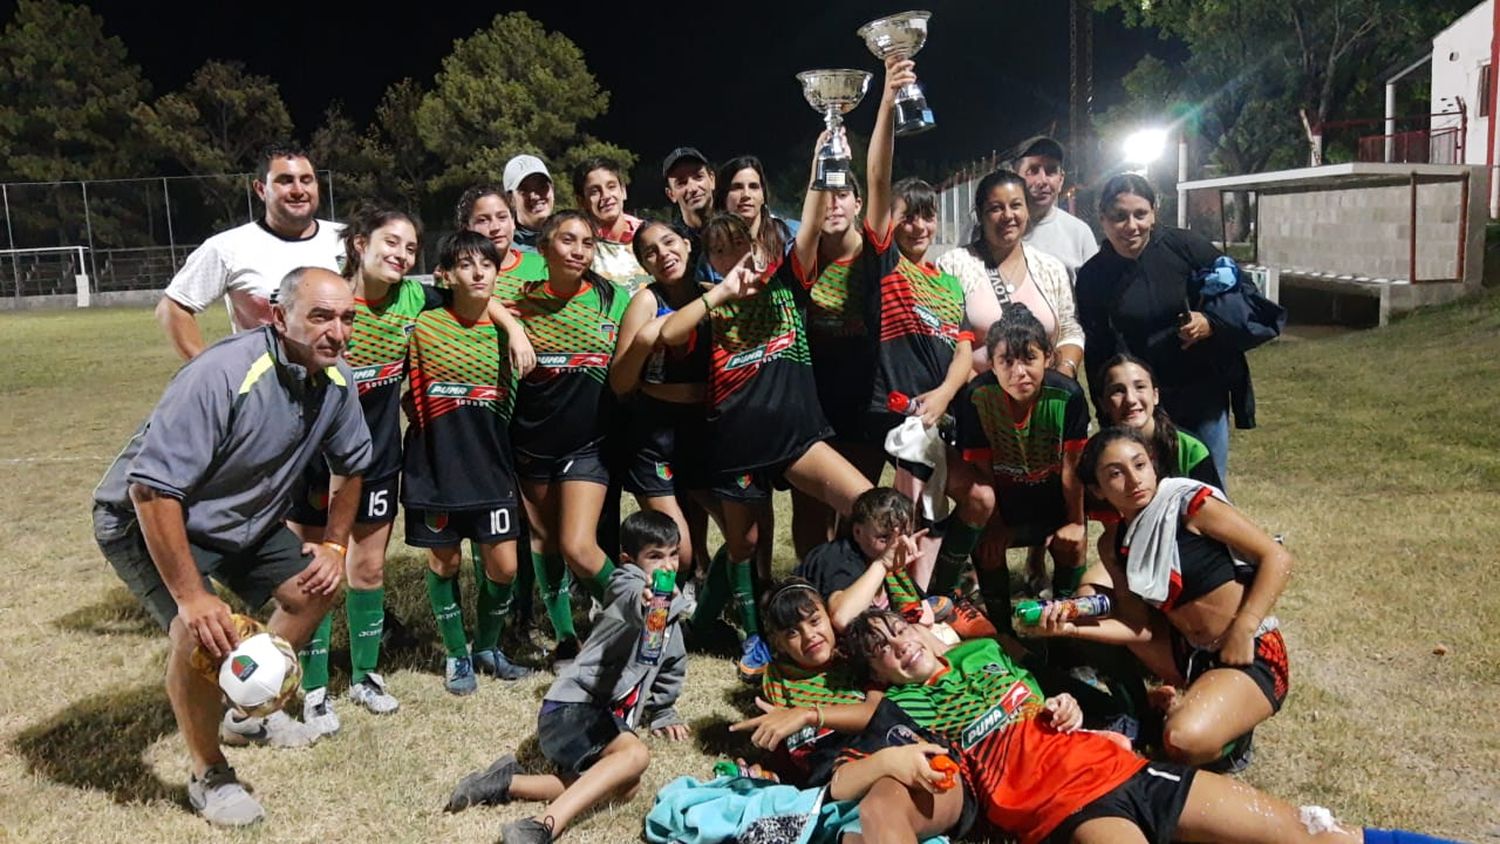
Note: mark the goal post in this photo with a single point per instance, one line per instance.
(51, 271)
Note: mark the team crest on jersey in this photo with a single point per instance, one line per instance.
(436, 522)
(901, 734)
(317, 498)
(993, 668)
(743, 481)
(664, 471)
(410, 328)
(609, 331)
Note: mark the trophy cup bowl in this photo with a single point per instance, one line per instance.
(833, 93)
(902, 35)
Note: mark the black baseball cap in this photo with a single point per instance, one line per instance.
(1040, 145)
(681, 154)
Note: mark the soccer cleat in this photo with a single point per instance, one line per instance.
(318, 714)
(754, 657)
(968, 622)
(458, 676)
(372, 695)
(527, 831)
(275, 730)
(489, 787)
(1237, 756)
(492, 661)
(221, 800)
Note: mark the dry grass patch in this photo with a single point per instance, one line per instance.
(1378, 456)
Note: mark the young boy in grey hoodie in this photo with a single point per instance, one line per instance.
(587, 725)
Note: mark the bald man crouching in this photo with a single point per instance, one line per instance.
(201, 490)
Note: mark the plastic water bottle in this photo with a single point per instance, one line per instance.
(907, 406)
(654, 633)
(1083, 606)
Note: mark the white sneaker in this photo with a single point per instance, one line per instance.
(372, 695)
(317, 712)
(275, 730)
(221, 800)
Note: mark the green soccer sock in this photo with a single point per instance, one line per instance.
(1065, 581)
(742, 582)
(599, 582)
(994, 587)
(715, 591)
(365, 609)
(494, 606)
(958, 543)
(447, 608)
(553, 577)
(314, 656)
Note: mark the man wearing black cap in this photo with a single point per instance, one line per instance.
(690, 186)
(1053, 230)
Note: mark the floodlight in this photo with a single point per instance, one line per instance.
(1145, 146)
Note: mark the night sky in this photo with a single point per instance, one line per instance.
(714, 75)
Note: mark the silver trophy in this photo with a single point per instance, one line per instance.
(902, 36)
(833, 93)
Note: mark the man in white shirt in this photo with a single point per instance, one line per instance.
(245, 264)
(1053, 230)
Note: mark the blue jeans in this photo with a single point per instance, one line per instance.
(1214, 432)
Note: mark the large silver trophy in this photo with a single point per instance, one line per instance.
(902, 36)
(833, 93)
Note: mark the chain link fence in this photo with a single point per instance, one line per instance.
(80, 238)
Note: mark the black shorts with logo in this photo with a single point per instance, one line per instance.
(1152, 799)
(586, 464)
(433, 528)
(377, 499)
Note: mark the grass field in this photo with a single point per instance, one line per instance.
(1378, 456)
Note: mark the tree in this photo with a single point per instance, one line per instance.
(512, 88)
(217, 124)
(66, 92)
(339, 146)
(1255, 66)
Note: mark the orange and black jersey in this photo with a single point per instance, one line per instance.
(461, 395)
(915, 314)
(763, 403)
(1027, 776)
(564, 405)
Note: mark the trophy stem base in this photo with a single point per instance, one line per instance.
(913, 117)
(833, 174)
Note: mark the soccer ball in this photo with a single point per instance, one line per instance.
(261, 674)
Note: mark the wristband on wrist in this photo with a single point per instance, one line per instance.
(342, 549)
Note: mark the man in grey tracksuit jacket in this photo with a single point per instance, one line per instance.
(200, 492)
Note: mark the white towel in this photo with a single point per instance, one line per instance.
(1152, 538)
(912, 442)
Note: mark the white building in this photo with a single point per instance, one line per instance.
(1462, 76)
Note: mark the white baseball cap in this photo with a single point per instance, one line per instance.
(519, 168)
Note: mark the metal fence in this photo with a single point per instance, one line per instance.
(119, 234)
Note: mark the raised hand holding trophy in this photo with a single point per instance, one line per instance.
(833, 93)
(902, 36)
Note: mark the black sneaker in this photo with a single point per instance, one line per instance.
(527, 831)
(484, 788)
(565, 652)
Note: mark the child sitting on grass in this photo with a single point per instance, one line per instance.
(1024, 427)
(586, 728)
(869, 568)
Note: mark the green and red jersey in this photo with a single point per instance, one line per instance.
(565, 405)
(916, 315)
(1028, 776)
(811, 751)
(763, 401)
(518, 269)
(377, 355)
(839, 341)
(1028, 452)
(461, 396)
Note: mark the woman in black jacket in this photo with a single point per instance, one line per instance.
(1140, 295)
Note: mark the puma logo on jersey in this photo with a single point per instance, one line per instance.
(762, 354)
(996, 716)
(471, 392)
(375, 375)
(573, 360)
